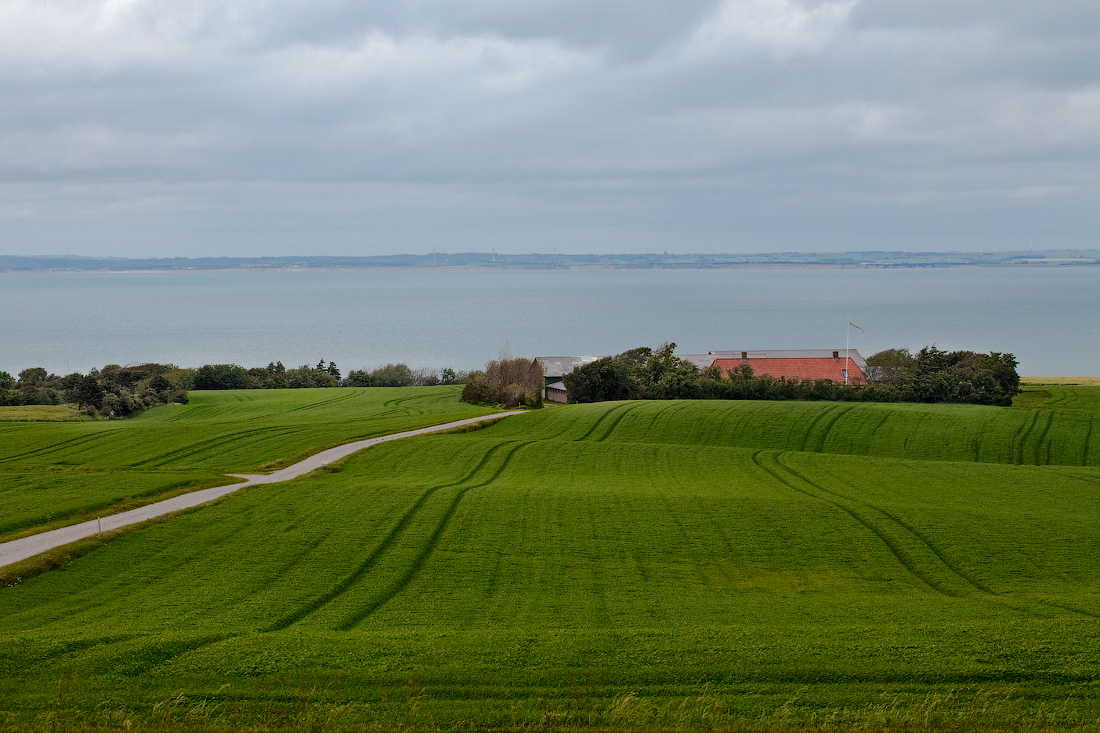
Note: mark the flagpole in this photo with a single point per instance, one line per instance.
(847, 340)
(847, 348)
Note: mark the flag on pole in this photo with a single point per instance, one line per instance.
(854, 325)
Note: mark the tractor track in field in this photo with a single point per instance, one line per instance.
(324, 403)
(615, 422)
(371, 560)
(894, 544)
(52, 447)
(27, 547)
(1043, 439)
(400, 583)
(887, 414)
(600, 421)
(1088, 440)
(829, 417)
(1021, 437)
(955, 582)
(252, 435)
(949, 564)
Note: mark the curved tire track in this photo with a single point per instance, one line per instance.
(907, 529)
(780, 472)
(401, 582)
(372, 559)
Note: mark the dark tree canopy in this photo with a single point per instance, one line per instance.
(222, 376)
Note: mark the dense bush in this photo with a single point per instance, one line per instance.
(222, 376)
(509, 382)
(894, 376)
(390, 375)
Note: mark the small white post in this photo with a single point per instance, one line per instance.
(99, 524)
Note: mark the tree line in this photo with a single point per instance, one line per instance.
(893, 375)
(277, 376)
(117, 391)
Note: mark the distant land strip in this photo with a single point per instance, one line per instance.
(494, 260)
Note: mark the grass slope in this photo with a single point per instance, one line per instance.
(57, 473)
(1069, 437)
(597, 566)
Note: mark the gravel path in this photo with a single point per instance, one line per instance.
(26, 547)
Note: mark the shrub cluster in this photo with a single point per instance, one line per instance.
(893, 376)
(933, 375)
(509, 382)
(112, 391)
(400, 375)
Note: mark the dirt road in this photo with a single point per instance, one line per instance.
(26, 547)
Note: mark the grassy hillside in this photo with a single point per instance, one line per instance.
(57, 473)
(619, 565)
(1065, 393)
(1069, 437)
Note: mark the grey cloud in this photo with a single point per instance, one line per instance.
(1055, 19)
(745, 124)
(619, 26)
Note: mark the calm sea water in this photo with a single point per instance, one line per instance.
(1048, 317)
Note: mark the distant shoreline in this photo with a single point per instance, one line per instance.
(593, 268)
(481, 261)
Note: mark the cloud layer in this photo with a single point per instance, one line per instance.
(272, 127)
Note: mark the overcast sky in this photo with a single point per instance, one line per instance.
(251, 127)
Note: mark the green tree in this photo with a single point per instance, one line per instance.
(891, 366)
(89, 394)
(393, 375)
(507, 381)
(1003, 368)
(358, 378)
(32, 377)
(222, 376)
(602, 380)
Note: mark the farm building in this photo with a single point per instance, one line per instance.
(701, 361)
(554, 368)
(787, 364)
(556, 392)
(832, 364)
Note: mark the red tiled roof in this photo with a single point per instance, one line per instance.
(815, 368)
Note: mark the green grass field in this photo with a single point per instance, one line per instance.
(1065, 393)
(680, 565)
(56, 473)
(33, 413)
